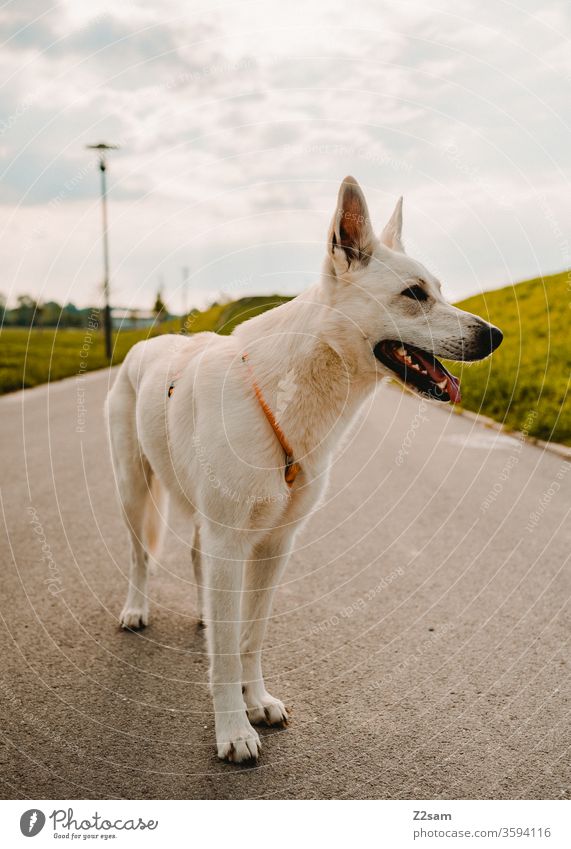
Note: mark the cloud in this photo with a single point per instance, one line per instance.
(236, 126)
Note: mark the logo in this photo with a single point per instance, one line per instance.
(32, 822)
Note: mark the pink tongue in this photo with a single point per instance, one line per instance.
(440, 374)
(453, 388)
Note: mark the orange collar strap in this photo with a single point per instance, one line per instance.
(292, 469)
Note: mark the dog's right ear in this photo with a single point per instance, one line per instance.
(351, 237)
(392, 233)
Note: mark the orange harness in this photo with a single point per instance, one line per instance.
(292, 469)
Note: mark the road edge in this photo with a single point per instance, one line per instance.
(556, 448)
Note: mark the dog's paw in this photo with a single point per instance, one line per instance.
(134, 618)
(243, 746)
(267, 711)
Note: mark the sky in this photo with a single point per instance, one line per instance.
(237, 121)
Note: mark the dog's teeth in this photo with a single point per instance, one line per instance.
(408, 360)
(401, 351)
(424, 371)
(442, 384)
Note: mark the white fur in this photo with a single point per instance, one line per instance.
(211, 449)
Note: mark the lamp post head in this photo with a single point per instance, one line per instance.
(102, 147)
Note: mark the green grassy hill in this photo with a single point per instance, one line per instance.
(224, 318)
(525, 384)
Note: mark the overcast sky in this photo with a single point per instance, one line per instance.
(238, 120)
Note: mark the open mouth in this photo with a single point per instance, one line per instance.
(419, 369)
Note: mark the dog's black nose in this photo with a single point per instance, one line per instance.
(489, 338)
(496, 337)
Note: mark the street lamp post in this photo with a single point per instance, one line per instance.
(102, 148)
(184, 295)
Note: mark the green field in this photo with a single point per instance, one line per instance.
(30, 357)
(525, 384)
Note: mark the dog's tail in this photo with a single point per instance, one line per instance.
(155, 517)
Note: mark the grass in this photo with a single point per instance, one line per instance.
(525, 385)
(224, 318)
(31, 357)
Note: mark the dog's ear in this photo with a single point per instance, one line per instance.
(351, 237)
(392, 234)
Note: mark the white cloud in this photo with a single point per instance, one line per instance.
(236, 126)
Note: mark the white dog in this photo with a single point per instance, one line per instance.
(240, 431)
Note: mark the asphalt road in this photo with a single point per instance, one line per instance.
(420, 637)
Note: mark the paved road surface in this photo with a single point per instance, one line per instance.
(421, 636)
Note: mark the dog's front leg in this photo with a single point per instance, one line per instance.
(236, 740)
(261, 577)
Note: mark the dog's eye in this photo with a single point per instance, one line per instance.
(416, 292)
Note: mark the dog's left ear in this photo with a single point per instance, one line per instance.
(391, 236)
(351, 237)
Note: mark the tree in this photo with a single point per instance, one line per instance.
(160, 309)
(25, 310)
(51, 314)
(72, 317)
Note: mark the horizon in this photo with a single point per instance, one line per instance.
(219, 298)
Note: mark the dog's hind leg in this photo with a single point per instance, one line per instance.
(142, 500)
(144, 508)
(135, 613)
(198, 574)
(262, 575)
